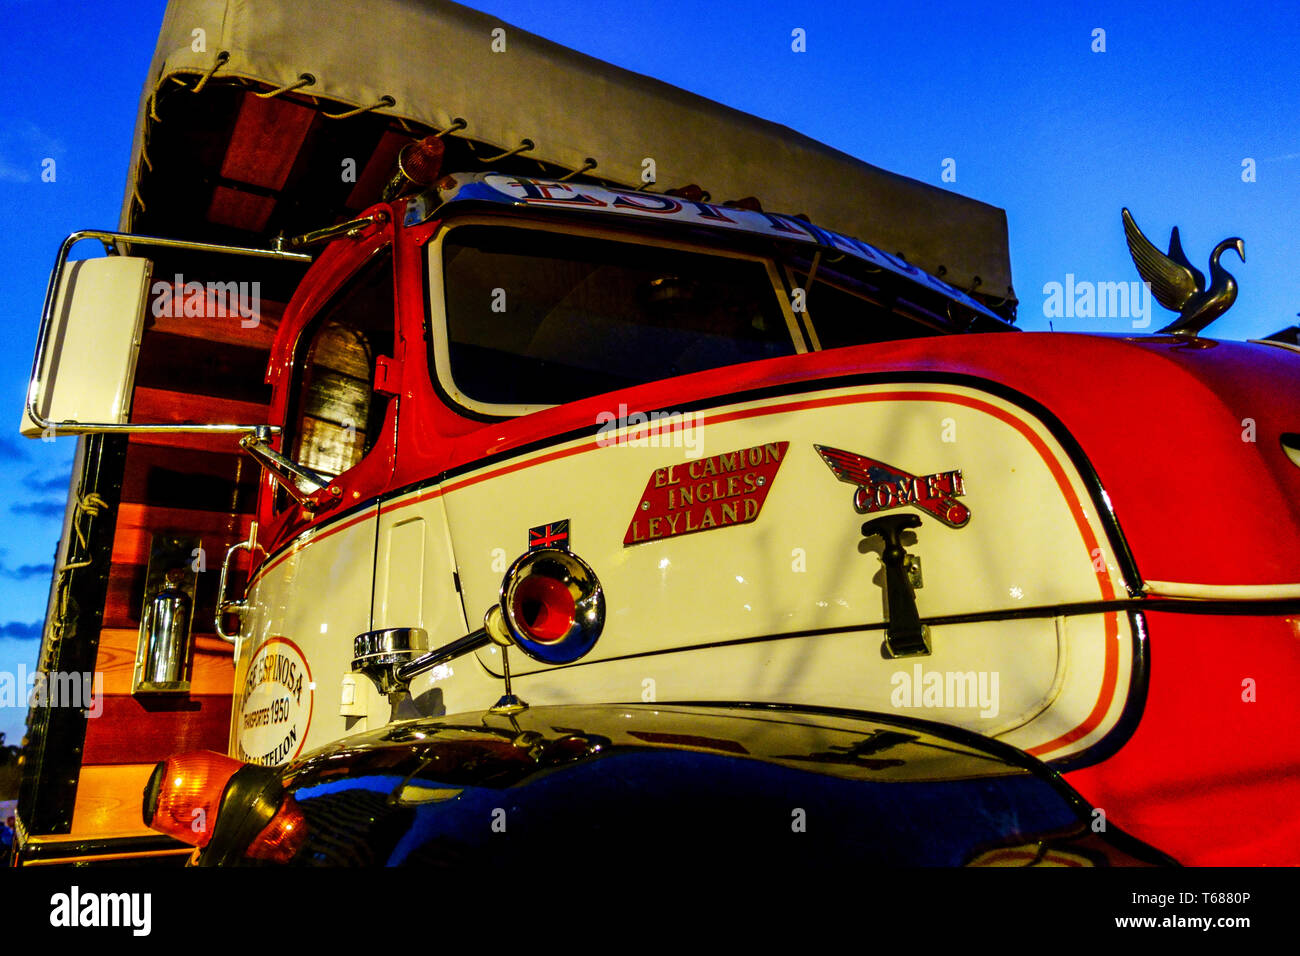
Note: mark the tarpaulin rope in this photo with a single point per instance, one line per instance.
(304, 79)
(384, 100)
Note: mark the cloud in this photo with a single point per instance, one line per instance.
(23, 631)
(12, 450)
(9, 173)
(42, 509)
(23, 147)
(34, 483)
(26, 571)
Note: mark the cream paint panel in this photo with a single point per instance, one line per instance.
(319, 598)
(803, 564)
(1088, 651)
(1049, 680)
(416, 588)
(399, 587)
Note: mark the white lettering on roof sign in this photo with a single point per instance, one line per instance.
(580, 197)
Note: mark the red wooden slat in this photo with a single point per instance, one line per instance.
(378, 170)
(139, 730)
(156, 406)
(232, 207)
(228, 331)
(265, 142)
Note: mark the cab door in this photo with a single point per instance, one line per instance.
(312, 593)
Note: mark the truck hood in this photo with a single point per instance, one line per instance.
(596, 785)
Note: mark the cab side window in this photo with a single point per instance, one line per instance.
(335, 415)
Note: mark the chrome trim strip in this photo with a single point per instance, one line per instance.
(1222, 592)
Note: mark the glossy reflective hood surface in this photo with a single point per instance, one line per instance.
(606, 786)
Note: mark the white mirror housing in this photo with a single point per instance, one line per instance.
(87, 371)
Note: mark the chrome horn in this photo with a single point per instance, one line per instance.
(551, 606)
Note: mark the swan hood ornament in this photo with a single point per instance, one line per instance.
(1178, 285)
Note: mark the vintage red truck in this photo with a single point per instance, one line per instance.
(377, 334)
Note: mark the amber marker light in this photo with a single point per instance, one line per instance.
(418, 165)
(283, 837)
(184, 793)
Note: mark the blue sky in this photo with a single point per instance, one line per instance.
(1039, 124)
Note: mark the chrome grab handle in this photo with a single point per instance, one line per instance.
(225, 607)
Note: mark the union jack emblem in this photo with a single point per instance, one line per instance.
(553, 535)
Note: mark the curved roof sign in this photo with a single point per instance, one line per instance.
(581, 198)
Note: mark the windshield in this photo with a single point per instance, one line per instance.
(540, 318)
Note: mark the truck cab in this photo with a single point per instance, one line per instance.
(784, 448)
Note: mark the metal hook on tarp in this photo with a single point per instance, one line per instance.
(384, 100)
(456, 123)
(304, 79)
(1005, 299)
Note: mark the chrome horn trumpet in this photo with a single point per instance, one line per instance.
(551, 606)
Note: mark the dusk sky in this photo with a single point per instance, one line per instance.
(1188, 117)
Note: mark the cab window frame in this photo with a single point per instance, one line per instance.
(436, 299)
(796, 275)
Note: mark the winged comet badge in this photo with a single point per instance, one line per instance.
(1178, 285)
(882, 487)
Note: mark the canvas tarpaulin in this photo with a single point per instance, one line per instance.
(436, 62)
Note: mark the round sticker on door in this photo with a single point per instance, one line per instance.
(278, 693)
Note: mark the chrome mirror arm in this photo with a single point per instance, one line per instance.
(288, 473)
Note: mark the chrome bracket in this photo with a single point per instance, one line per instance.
(289, 474)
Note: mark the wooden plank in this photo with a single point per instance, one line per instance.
(240, 209)
(125, 598)
(217, 444)
(184, 364)
(213, 673)
(210, 329)
(184, 478)
(266, 139)
(157, 406)
(95, 858)
(378, 170)
(108, 800)
(136, 730)
(136, 524)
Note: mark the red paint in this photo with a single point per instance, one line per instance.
(1209, 777)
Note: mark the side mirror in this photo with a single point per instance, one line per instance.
(86, 371)
(92, 321)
